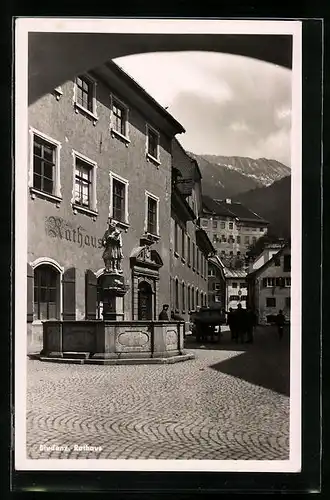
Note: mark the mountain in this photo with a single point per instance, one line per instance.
(273, 203)
(262, 170)
(224, 177)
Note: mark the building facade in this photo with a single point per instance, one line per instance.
(269, 286)
(190, 246)
(231, 227)
(216, 283)
(236, 288)
(100, 148)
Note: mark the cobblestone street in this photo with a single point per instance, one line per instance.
(230, 402)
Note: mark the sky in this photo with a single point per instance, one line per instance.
(229, 105)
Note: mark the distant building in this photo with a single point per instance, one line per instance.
(231, 227)
(236, 288)
(190, 246)
(216, 283)
(269, 286)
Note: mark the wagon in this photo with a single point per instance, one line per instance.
(206, 321)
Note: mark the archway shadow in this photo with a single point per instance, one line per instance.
(264, 363)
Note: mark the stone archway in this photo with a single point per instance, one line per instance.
(145, 265)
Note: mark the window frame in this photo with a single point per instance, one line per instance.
(271, 298)
(113, 176)
(56, 196)
(155, 198)
(176, 239)
(150, 157)
(78, 107)
(188, 250)
(183, 244)
(92, 210)
(45, 261)
(114, 132)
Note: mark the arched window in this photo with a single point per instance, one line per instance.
(197, 304)
(192, 298)
(176, 293)
(46, 293)
(189, 298)
(183, 297)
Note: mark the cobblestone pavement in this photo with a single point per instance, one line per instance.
(189, 410)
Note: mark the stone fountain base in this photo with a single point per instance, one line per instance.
(113, 342)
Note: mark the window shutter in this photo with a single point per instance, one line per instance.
(264, 282)
(29, 294)
(90, 294)
(69, 294)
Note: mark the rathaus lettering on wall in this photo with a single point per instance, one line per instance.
(56, 227)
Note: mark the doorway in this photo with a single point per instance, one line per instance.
(144, 301)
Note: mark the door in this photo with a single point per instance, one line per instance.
(144, 301)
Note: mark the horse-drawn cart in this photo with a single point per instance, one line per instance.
(207, 323)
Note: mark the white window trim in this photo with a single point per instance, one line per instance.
(150, 195)
(78, 107)
(268, 285)
(76, 207)
(285, 282)
(113, 131)
(60, 269)
(149, 156)
(58, 92)
(57, 196)
(117, 177)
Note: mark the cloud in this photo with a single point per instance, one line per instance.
(229, 105)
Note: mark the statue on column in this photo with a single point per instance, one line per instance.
(112, 243)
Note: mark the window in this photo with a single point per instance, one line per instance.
(197, 302)
(85, 95)
(231, 253)
(287, 301)
(246, 240)
(238, 253)
(234, 284)
(215, 238)
(183, 249)
(218, 286)
(211, 272)
(254, 240)
(269, 282)
(277, 261)
(217, 298)
(287, 263)
(243, 285)
(176, 294)
(270, 302)
(152, 204)
(84, 189)
(223, 252)
(215, 224)
(183, 298)
(233, 297)
(188, 297)
(223, 238)
(238, 239)
(46, 293)
(44, 178)
(119, 199)
(231, 225)
(192, 298)
(119, 119)
(205, 223)
(197, 259)
(202, 265)
(176, 230)
(243, 297)
(193, 255)
(152, 144)
(222, 225)
(287, 282)
(188, 250)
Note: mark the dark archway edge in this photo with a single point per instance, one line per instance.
(57, 57)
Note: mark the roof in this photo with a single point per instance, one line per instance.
(234, 210)
(120, 72)
(234, 273)
(269, 262)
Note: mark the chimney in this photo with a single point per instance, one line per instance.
(228, 201)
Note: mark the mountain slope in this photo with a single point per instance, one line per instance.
(272, 203)
(222, 182)
(262, 170)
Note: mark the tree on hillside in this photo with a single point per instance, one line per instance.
(258, 247)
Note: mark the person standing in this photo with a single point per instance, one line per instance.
(231, 323)
(241, 323)
(163, 315)
(280, 322)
